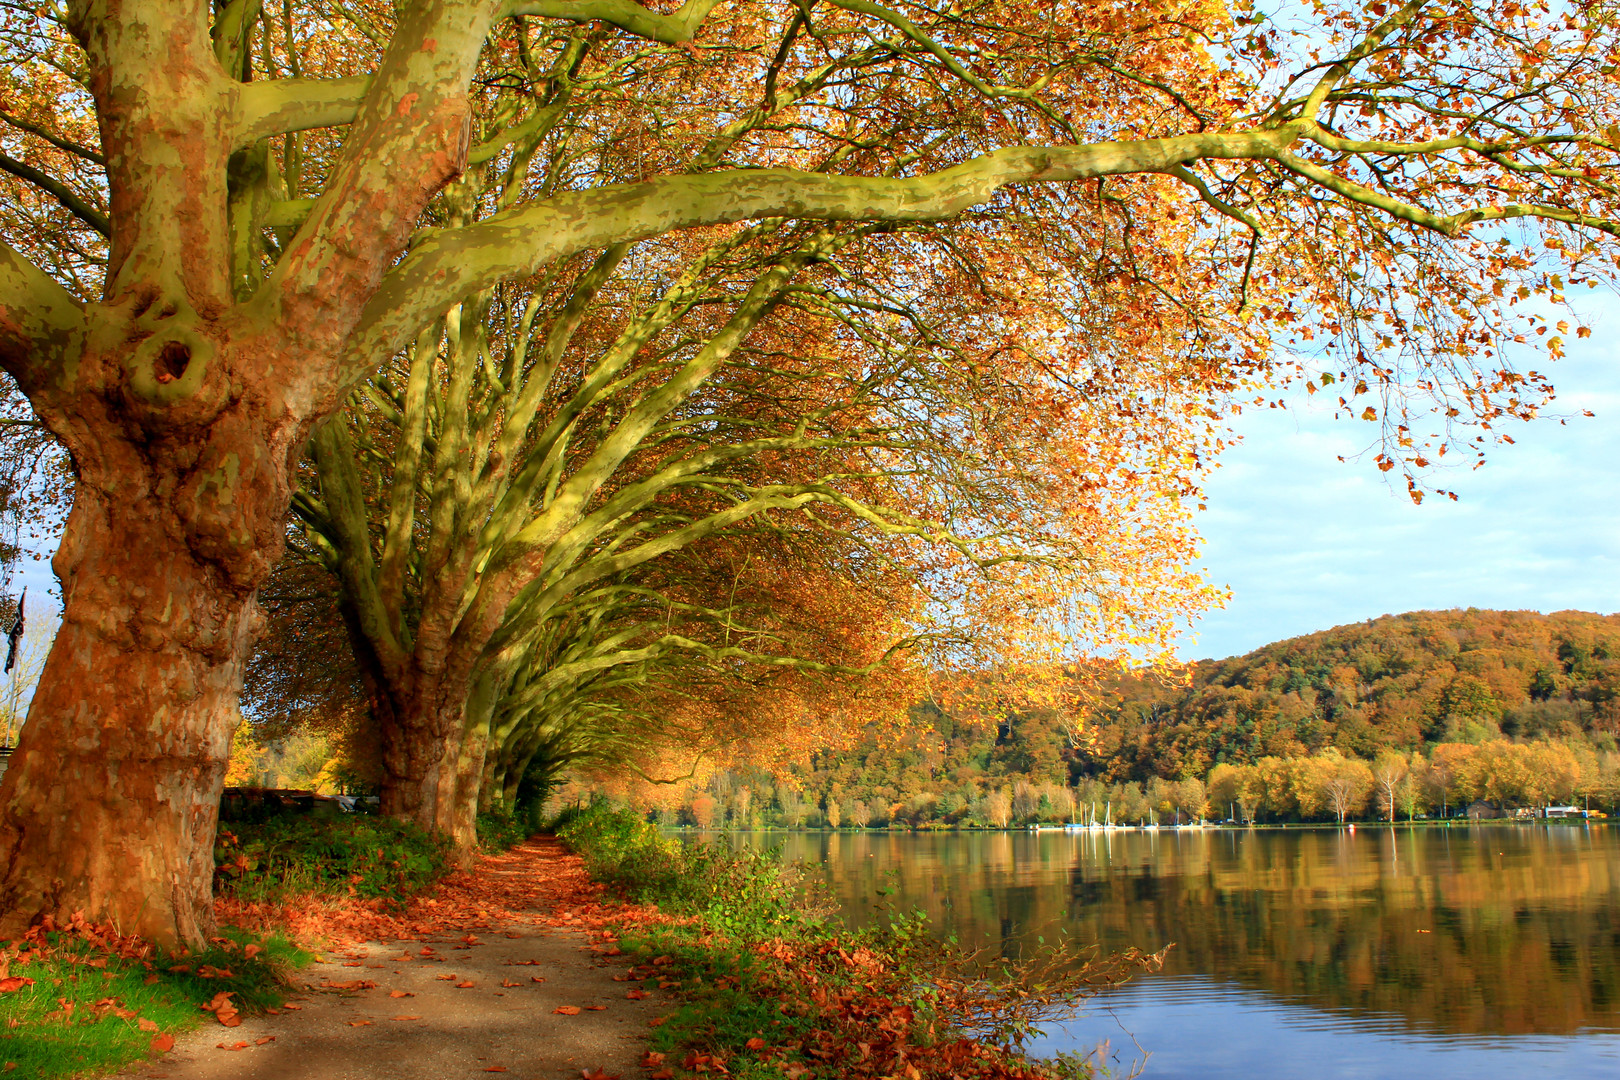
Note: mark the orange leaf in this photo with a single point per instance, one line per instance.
(232, 1046)
(290, 1005)
(359, 1023)
(407, 1018)
(14, 982)
(400, 993)
(510, 983)
(162, 1044)
(447, 978)
(566, 1010)
(145, 1025)
(665, 1073)
(262, 1039)
(636, 995)
(464, 985)
(537, 978)
(598, 1074)
(755, 1043)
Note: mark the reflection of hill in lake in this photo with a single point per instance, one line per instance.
(1480, 931)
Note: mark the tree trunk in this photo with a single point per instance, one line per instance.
(112, 798)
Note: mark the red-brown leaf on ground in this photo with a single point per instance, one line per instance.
(14, 982)
(357, 984)
(651, 1059)
(637, 995)
(359, 1023)
(220, 1005)
(400, 993)
(665, 1073)
(657, 1021)
(598, 1074)
(566, 1010)
(407, 1018)
(447, 978)
(508, 983)
(145, 1025)
(162, 1044)
(755, 1043)
(262, 1039)
(537, 978)
(231, 1046)
(464, 985)
(290, 1005)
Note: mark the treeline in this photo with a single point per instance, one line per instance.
(1425, 713)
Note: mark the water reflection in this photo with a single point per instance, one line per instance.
(1473, 933)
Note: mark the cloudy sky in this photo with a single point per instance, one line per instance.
(1306, 542)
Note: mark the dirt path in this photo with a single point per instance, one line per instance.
(449, 1000)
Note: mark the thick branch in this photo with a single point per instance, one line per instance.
(40, 323)
(516, 243)
(275, 106)
(630, 17)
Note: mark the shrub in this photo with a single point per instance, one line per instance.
(746, 894)
(350, 855)
(498, 831)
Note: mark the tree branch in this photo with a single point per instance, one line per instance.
(513, 244)
(61, 193)
(628, 16)
(275, 106)
(39, 323)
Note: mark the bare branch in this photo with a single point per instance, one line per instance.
(60, 192)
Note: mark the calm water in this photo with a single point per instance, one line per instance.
(1441, 953)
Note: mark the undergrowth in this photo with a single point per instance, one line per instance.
(83, 999)
(351, 855)
(772, 986)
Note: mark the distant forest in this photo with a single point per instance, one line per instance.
(1423, 713)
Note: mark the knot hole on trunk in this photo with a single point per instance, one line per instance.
(171, 360)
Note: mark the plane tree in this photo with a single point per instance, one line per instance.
(188, 284)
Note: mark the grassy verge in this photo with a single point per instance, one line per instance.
(82, 999)
(772, 986)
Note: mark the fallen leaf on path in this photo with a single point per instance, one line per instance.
(262, 1039)
(352, 963)
(220, 1005)
(464, 985)
(636, 995)
(359, 1023)
(651, 1058)
(566, 1010)
(232, 1046)
(537, 978)
(657, 1021)
(663, 1074)
(598, 1074)
(447, 978)
(357, 984)
(162, 1044)
(291, 1006)
(509, 983)
(407, 1018)
(400, 993)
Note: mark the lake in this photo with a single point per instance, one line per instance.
(1436, 952)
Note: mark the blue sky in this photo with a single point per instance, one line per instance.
(1306, 542)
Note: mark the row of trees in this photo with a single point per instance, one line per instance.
(640, 378)
(1505, 776)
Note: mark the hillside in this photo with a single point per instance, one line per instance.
(1394, 683)
(1514, 707)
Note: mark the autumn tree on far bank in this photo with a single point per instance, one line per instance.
(218, 221)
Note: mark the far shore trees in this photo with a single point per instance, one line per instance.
(220, 219)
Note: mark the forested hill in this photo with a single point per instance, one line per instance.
(1397, 682)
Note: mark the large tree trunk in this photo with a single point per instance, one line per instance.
(111, 800)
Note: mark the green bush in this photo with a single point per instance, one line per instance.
(746, 894)
(350, 855)
(499, 831)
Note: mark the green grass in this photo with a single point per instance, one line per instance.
(352, 854)
(110, 996)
